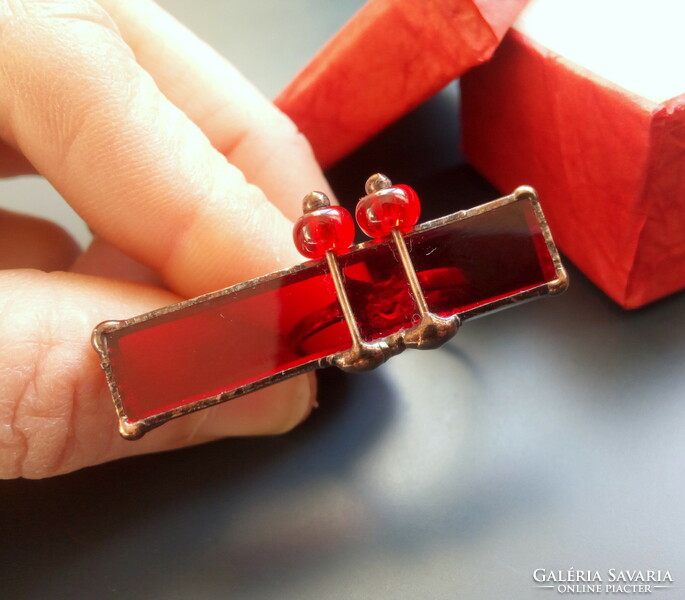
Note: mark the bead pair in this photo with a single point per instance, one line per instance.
(386, 211)
(385, 208)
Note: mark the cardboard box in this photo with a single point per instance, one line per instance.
(597, 126)
(391, 56)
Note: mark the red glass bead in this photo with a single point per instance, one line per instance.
(327, 228)
(379, 213)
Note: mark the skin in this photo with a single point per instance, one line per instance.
(190, 181)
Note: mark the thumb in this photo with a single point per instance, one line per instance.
(56, 413)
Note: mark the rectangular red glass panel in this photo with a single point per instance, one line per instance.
(219, 344)
(204, 348)
(475, 261)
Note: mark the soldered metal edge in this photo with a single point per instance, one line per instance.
(560, 284)
(133, 430)
(126, 429)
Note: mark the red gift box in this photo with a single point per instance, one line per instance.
(391, 56)
(608, 163)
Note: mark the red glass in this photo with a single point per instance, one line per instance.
(222, 343)
(328, 228)
(501, 252)
(395, 207)
(233, 339)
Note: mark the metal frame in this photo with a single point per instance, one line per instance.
(430, 332)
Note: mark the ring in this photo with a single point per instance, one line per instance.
(350, 306)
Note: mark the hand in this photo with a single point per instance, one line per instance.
(152, 138)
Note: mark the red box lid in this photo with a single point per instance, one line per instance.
(387, 59)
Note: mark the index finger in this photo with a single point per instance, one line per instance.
(239, 121)
(74, 100)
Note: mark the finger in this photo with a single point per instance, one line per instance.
(239, 121)
(28, 242)
(55, 409)
(133, 166)
(104, 260)
(13, 163)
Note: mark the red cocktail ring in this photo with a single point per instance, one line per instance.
(351, 307)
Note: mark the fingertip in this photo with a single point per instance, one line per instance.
(28, 242)
(272, 410)
(300, 416)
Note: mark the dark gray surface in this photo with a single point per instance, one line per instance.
(546, 436)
